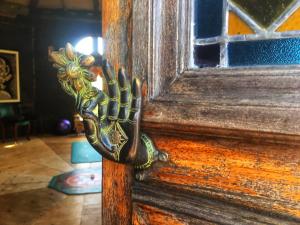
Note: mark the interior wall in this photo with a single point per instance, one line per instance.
(40, 90)
(52, 102)
(18, 37)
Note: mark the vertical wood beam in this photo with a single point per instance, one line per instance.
(117, 178)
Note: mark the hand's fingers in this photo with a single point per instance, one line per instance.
(125, 96)
(113, 91)
(103, 110)
(134, 118)
(136, 101)
(90, 75)
(88, 105)
(108, 71)
(92, 132)
(136, 88)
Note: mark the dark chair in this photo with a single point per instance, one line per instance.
(10, 118)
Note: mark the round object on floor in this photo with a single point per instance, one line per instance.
(63, 127)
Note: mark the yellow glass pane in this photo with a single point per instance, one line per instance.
(292, 23)
(236, 26)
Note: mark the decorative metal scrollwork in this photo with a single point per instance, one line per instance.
(111, 118)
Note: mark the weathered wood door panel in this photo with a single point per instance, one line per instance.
(117, 178)
(223, 181)
(233, 160)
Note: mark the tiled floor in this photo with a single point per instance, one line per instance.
(25, 170)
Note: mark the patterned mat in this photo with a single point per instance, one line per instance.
(79, 181)
(83, 152)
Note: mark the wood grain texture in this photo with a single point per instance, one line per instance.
(249, 177)
(239, 89)
(117, 179)
(144, 214)
(116, 196)
(192, 130)
(260, 120)
(261, 176)
(140, 48)
(117, 32)
(190, 208)
(263, 100)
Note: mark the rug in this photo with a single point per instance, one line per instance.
(79, 181)
(83, 152)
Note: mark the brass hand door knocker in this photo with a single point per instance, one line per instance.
(112, 118)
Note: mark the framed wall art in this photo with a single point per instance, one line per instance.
(9, 76)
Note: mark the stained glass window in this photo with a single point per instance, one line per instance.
(230, 33)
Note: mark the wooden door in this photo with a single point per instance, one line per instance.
(234, 157)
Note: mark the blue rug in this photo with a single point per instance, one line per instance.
(80, 181)
(83, 152)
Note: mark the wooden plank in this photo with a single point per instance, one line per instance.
(239, 89)
(117, 179)
(260, 176)
(116, 195)
(255, 169)
(265, 100)
(276, 120)
(154, 204)
(148, 215)
(192, 130)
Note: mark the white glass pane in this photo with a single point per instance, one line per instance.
(100, 45)
(85, 46)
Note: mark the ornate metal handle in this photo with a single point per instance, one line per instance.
(111, 118)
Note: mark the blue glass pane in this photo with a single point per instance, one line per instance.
(207, 55)
(208, 18)
(266, 52)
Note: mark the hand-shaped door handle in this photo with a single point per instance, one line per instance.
(111, 120)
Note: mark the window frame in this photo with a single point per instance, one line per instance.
(261, 101)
